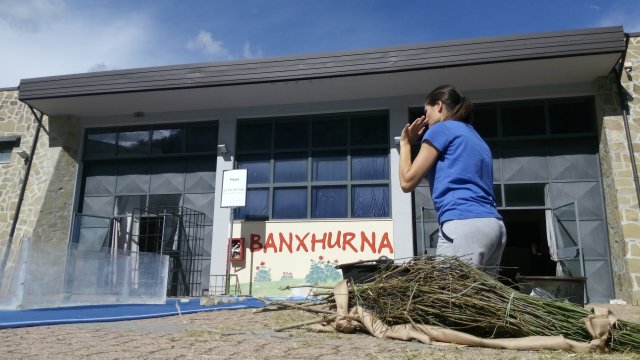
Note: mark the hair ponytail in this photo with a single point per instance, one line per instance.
(457, 106)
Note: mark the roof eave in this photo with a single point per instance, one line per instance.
(586, 42)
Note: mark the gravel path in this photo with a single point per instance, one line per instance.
(240, 334)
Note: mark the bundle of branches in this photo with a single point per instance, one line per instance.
(449, 292)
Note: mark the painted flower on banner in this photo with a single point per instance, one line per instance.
(321, 272)
(263, 274)
(333, 274)
(286, 276)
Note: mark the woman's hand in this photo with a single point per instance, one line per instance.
(411, 172)
(414, 131)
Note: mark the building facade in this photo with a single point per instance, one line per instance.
(316, 135)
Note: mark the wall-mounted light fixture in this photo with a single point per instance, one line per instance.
(222, 149)
(24, 155)
(628, 68)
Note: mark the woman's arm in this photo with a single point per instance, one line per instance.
(412, 172)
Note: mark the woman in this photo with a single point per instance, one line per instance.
(459, 168)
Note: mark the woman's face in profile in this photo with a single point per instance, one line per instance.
(433, 113)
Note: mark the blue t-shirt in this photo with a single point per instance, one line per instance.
(461, 180)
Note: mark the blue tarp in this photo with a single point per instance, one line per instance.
(116, 312)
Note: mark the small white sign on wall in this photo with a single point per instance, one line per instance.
(234, 188)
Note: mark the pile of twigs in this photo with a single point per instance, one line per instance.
(450, 293)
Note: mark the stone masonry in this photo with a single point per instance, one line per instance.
(614, 163)
(630, 215)
(46, 210)
(623, 212)
(17, 119)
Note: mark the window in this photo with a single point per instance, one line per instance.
(551, 118)
(290, 167)
(5, 152)
(100, 144)
(151, 141)
(133, 143)
(167, 141)
(7, 143)
(289, 203)
(317, 166)
(523, 119)
(256, 206)
(149, 166)
(199, 138)
(572, 116)
(485, 120)
(529, 194)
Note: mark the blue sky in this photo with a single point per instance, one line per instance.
(58, 37)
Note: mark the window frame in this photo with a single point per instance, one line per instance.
(7, 144)
(310, 184)
(586, 136)
(549, 137)
(149, 129)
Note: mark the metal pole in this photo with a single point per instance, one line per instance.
(23, 188)
(227, 277)
(251, 272)
(627, 132)
(624, 104)
(581, 253)
(424, 244)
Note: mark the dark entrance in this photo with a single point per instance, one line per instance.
(150, 234)
(177, 232)
(527, 251)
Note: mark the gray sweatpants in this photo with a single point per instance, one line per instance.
(479, 241)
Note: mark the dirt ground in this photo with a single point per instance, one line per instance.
(242, 334)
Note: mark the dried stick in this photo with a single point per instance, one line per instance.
(305, 323)
(306, 308)
(289, 287)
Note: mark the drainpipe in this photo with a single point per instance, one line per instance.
(23, 188)
(624, 103)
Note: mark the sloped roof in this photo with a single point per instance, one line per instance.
(361, 62)
(391, 60)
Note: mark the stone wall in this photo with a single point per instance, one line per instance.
(614, 164)
(16, 119)
(630, 212)
(621, 200)
(48, 200)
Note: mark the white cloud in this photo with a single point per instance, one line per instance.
(52, 37)
(68, 42)
(595, 7)
(97, 67)
(31, 15)
(206, 44)
(248, 53)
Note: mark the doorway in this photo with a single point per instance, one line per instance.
(527, 250)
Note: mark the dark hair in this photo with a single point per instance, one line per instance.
(458, 107)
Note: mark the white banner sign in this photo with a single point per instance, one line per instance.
(234, 188)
